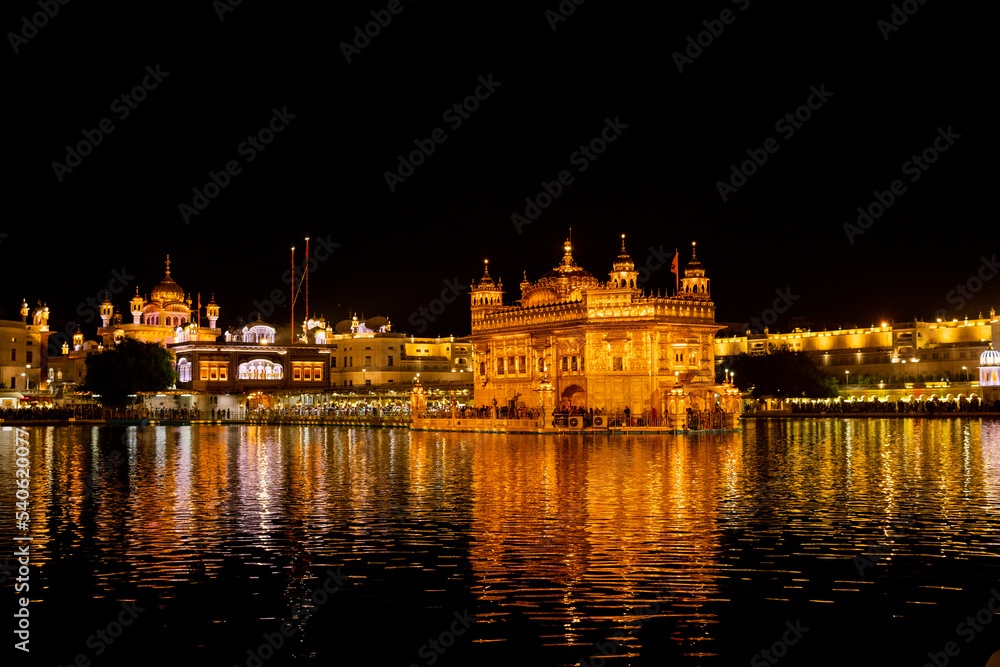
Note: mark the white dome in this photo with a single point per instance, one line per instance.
(990, 357)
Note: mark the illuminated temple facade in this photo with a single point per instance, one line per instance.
(164, 318)
(599, 344)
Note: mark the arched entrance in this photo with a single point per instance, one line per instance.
(574, 396)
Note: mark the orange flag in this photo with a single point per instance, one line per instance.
(675, 269)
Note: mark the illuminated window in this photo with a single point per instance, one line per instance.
(213, 372)
(296, 373)
(223, 373)
(259, 369)
(318, 373)
(204, 371)
(308, 373)
(510, 365)
(521, 367)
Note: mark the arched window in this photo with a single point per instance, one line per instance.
(184, 370)
(260, 369)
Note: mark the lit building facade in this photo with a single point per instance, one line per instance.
(890, 361)
(249, 362)
(605, 345)
(23, 362)
(367, 353)
(163, 318)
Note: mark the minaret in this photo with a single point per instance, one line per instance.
(25, 311)
(623, 274)
(78, 340)
(135, 305)
(486, 295)
(107, 310)
(212, 310)
(694, 284)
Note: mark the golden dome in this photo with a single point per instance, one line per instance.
(167, 290)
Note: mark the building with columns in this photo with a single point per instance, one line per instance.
(602, 345)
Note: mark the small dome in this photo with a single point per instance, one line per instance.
(624, 262)
(990, 357)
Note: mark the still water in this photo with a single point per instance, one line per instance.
(821, 542)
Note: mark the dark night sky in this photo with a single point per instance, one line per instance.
(323, 175)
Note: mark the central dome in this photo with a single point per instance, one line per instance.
(167, 290)
(569, 268)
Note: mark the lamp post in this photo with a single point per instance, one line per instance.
(847, 377)
(965, 374)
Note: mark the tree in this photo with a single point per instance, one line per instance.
(118, 373)
(783, 373)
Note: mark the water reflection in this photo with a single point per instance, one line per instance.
(687, 548)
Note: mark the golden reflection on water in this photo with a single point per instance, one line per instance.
(581, 530)
(583, 535)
